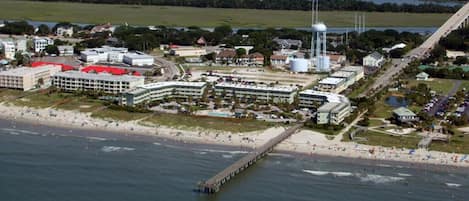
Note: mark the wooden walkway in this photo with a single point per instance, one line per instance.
(213, 184)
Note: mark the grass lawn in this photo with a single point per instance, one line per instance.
(119, 115)
(210, 123)
(203, 17)
(464, 85)
(459, 144)
(374, 123)
(379, 139)
(441, 86)
(42, 99)
(10, 94)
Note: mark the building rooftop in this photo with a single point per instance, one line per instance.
(330, 97)
(376, 55)
(259, 88)
(422, 75)
(332, 107)
(343, 74)
(100, 76)
(138, 56)
(22, 71)
(332, 81)
(158, 85)
(402, 111)
(356, 69)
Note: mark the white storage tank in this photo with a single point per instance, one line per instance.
(299, 65)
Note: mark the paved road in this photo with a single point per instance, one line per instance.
(170, 69)
(453, 23)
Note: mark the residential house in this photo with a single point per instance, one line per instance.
(422, 76)
(375, 60)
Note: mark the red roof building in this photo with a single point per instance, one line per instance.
(43, 63)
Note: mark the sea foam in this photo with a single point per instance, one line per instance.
(108, 149)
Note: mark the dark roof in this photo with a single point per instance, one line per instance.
(227, 54)
(376, 55)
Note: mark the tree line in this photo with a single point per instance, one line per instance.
(350, 5)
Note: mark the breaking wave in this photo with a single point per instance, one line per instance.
(377, 179)
(453, 185)
(108, 149)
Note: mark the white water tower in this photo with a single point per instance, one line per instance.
(319, 57)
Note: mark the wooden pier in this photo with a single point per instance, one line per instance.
(213, 184)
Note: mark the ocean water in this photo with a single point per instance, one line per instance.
(39, 163)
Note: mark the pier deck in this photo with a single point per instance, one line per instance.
(213, 184)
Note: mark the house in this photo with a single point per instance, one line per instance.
(65, 50)
(279, 60)
(65, 31)
(404, 115)
(102, 28)
(40, 44)
(256, 59)
(374, 60)
(454, 54)
(422, 76)
(288, 43)
(187, 51)
(226, 56)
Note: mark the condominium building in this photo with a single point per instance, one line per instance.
(107, 83)
(26, 78)
(161, 90)
(103, 54)
(314, 99)
(138, 59)
(256, 93)
(8, 48)
(333, 113)
(331, 108)
(333, 85)
(40, 44)
(358, 70)
(65, 50)
(347, 75)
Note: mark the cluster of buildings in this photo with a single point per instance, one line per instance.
(340, 80)
(230, 57)
(9, 46)
(107, 54)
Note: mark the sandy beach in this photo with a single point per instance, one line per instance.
(305, 141)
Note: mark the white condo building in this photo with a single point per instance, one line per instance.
(331, 84)
(107, 83)
(256, 93)
(138, 59)
(103, 54)
(331, 108)
(161, 90)
(40, 43)
(8, 48)
(26, 78)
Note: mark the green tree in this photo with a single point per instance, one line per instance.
(43, 30)
(52, 49)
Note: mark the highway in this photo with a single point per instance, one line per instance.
(453, 23)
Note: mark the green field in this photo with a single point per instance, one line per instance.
(379, 139)
(203, 17)
(441, 86)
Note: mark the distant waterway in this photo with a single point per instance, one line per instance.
(50, 164)
(417, 2)
(421, 30)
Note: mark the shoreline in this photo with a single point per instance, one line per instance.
(305, 142)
